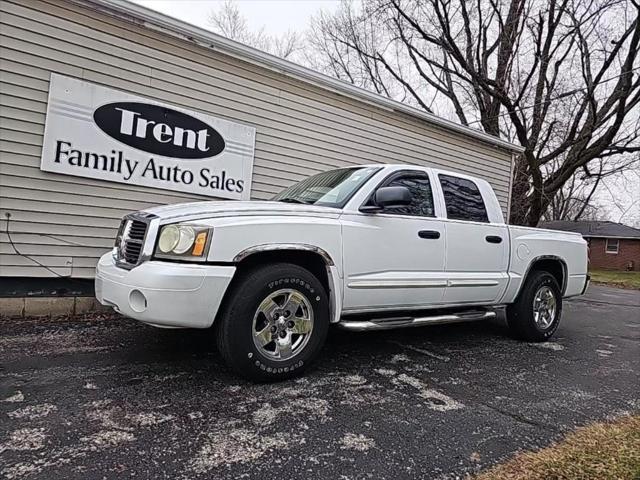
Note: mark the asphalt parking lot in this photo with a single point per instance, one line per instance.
(110, 398)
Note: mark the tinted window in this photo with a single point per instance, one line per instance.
(421, 197)
(463, 199)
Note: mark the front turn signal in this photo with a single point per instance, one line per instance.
(199, 244)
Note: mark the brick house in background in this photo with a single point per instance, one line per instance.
(612, 246)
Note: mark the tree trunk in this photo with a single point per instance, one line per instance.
(519, 193)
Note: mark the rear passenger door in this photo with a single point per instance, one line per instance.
(476, 259)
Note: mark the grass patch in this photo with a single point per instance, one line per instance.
(616, 279)
(603, 451)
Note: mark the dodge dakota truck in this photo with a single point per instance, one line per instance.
(366, 247)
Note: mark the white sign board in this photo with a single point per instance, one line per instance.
(97, 132)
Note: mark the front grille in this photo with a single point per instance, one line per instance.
(130, 241)
(132, 252)
(137, 230)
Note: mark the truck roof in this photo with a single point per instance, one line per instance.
(404, 166)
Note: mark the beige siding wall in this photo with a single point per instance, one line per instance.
(67, 222)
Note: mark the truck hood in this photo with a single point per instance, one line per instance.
(232, 208)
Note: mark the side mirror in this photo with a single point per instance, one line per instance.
(387, 197)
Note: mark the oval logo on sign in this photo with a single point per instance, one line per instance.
(158, 130)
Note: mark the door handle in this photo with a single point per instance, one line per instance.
(429, 234)
(493, 239)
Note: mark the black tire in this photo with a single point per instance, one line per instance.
(235, 323)
(521, 315)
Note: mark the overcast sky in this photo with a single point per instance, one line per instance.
(276, 16)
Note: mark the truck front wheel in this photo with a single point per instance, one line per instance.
(274, 322)
(535, 315)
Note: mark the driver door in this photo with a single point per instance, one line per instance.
(394, 259)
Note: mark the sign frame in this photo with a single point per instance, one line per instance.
(83, 138)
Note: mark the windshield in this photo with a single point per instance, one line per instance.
(328, 189)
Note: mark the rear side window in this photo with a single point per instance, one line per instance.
(463, 199)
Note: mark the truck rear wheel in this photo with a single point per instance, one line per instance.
(273, 323)
(535, 315)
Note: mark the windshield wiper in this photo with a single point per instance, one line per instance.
(293, 200)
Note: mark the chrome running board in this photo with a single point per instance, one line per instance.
(404, 322)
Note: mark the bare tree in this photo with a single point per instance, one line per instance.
(622, 193)
(229, 22)
(355, 64)
(574, 201)
(560, 77)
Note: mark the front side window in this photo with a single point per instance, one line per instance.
(463, 199)
(421, 196)
(328, 189)
(612, 245)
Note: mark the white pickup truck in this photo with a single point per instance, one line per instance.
(367, 248)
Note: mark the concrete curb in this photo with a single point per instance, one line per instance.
(22, 307)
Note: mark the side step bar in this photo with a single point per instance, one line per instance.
(404, 322)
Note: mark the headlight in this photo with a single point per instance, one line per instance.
(183, 241)
(169, 238)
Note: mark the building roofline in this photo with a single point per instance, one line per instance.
(603, 229)
(615, 237)
(154, 20)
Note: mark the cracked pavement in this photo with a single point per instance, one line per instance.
(111, 398)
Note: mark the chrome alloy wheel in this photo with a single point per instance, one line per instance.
(544, 307)
(283, 324)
